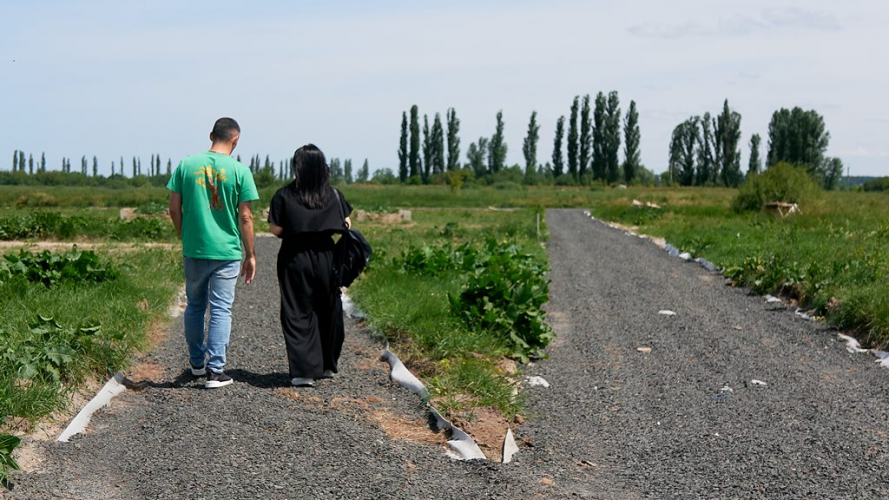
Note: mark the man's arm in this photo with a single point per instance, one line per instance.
(176, 212)
(245, 220)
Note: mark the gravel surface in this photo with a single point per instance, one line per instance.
(615, 423)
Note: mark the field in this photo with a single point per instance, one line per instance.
(456, 287)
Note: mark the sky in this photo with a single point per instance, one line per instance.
(108, 79)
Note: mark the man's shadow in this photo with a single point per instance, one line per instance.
(187, 380)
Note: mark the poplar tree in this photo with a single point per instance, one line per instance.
(139, 165)
(453, 140)
(612, 138)
(402, 149)
(599, 162)
(347, 168)
(169, 166)
(754, 163)
(497, 155)
(572, 139)
(364, 172)
(706, 169)
(414, 158)
(121, 167)
(476, 154)
(558, 162)
(798, 137)
(15, 160)
(21, 161)
(427, 149)
(727, 136)
(529, 147)
(83, 165)
(586, 138)
(112, 168)
(95, 167)
(676, 152)
(438, 152)
(689, 138)
(134, 167)
(31, 164)
(43, 162)
(632, 137)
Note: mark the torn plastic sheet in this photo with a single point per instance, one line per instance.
(399, 374)
(706, 264)
(537, 381)
(771, 299)
(854, 347)
(112, 388)
(666, 312)
(351, 309)
(509, 447)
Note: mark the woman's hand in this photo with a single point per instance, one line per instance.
(348, 223)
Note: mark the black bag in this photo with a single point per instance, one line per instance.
(353, 251)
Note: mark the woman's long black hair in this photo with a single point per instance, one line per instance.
(311, 177)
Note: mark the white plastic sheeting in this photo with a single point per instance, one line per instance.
(112, 388)
(399, 374)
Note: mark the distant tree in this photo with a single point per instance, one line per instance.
(83, 165)
(151, 166)
(476, 154)
(833, 173)
(754, 164)
(586, 137)
(438, 148)
(135, 171)
(727, 137)
(384, 176)
(336, 171)
(364, 172)
(599, 162)
(798, 137)
(497, 155)
(95, 167)
(31, 164)
(612, 138)
(169, 166)
(112, 168)
(402, 149)
(427, 149)
(347, 167)
(43, 162)
(21, 161)
(139, 165)
(558, 161)
(685, 141)
(15, 160)
(238, 158)
(706, 169)
(572, 139)
(453, 140)
(121, 166)
(414, 158)
(529, 147)
(632, 137)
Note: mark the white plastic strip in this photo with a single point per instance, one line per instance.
(111, 389)
(399, 374)
(509, 447)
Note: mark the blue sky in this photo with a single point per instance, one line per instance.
(111, 79)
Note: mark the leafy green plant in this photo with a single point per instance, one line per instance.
(49, 352)
(504, 295)
(782, 183)
(7, 463)
(435, 261)
(52, 268)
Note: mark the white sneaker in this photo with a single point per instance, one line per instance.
(302, 382)
(327, 374)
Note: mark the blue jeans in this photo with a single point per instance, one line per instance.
(210, 281)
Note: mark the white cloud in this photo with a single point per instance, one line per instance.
(770, 21)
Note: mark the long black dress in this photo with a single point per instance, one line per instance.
(311, 307)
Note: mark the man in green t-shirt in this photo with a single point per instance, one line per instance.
(211, 208)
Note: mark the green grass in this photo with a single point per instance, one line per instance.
(125, 308)
(458, 363)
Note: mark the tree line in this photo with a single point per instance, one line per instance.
(592, 145)
(704, 150)
(266, 173)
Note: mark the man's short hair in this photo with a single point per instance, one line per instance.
(224, 130)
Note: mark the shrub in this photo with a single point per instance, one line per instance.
(783, 183)
(48, 268)
(880, 184)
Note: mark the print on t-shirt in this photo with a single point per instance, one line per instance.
(210, 178)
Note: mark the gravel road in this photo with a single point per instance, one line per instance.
(682, 421)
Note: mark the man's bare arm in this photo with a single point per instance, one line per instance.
(176, 212)
(245, 220)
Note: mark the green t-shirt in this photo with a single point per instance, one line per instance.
(212, 185)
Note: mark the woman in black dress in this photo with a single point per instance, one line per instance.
(306, 214)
